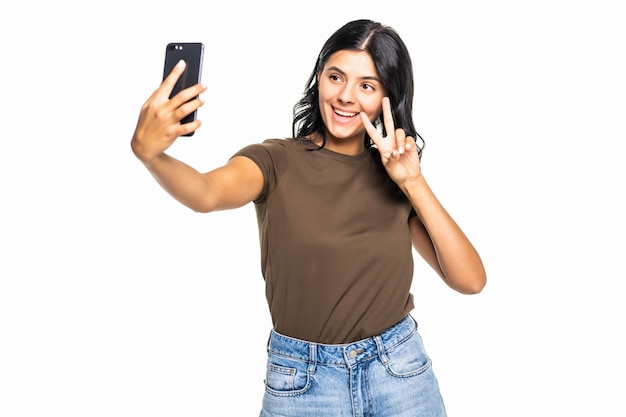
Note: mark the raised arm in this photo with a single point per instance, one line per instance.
(435, 234)
(442, 243)
(232, 185)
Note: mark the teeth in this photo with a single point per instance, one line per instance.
(346, 114)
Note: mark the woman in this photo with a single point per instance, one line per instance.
(340, 207)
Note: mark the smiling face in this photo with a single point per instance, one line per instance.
(348, 85)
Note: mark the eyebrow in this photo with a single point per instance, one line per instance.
(367, 77)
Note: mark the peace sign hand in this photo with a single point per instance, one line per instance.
(398, 152)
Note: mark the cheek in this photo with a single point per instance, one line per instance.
(373, 106)
(324, 92)
(324, 98)
(321, 102)
(374, 112)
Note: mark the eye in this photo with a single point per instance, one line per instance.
(368, 87)
(334, 77)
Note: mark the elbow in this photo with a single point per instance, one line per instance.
(476, 288)
(474, 278)
(474, 285)
(201, 209)
(469, 284)
(201, 206)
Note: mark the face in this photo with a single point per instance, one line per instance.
(348, 85)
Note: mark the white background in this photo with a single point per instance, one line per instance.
(112, 295)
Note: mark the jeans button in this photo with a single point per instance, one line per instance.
(352, 354)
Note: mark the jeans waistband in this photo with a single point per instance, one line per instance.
(348, 354)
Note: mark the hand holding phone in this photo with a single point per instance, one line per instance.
(192, 53)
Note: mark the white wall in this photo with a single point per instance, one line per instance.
(112, 294)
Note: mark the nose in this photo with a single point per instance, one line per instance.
(346, 95)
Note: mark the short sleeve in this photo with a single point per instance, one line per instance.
(270, 156)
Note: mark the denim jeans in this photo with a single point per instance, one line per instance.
(382, 376)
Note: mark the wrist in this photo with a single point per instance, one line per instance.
(414, 186)
(142, 153)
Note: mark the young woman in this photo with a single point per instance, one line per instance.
(340, 207)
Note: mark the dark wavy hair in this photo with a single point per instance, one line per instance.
(395, 71)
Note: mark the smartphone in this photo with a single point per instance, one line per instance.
(193, 54)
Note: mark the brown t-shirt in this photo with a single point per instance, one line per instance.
(336, 252)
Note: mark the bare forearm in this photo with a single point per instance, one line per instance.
(181, 181)
(460, 264)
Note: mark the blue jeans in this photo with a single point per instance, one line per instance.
(382, 376)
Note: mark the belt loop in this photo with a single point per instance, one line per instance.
(312, 357)
(381, 350)
(269, 341)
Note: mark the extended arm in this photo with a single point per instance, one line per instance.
(230, 186)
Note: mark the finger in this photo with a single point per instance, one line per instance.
(187, 128)
(164, 90)
(187, 108)
(388, 117)
(170, 81)
(409, 143)
(397, 146)
(187, 94)
(400, 139)
(369, 127)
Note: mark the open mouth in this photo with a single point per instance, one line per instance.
(345, 113)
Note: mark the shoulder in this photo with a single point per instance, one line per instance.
(271, 155)
(273, 148)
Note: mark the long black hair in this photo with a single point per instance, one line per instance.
(393, 65)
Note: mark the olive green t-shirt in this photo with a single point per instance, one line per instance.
(336, 253)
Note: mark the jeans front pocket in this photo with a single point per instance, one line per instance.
(408, 358)
(286, 376)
